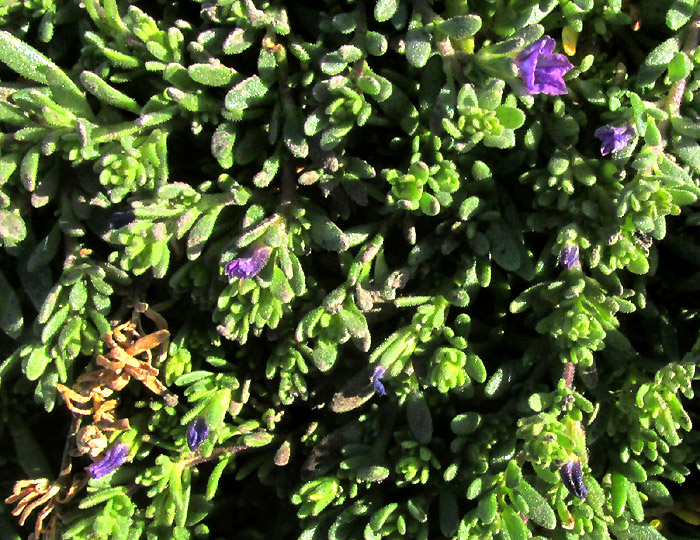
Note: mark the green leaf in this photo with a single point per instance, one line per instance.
(680, 67)
(246, 93)
(474, 489)
(657, 61)
(69, 334)
(29, 168)
(539, 509)
(22, 58)
(78, 296)
(239, 40)
(100, 496)
(222, 144)
(461, 27)
(213, 74)
(385, 9)
(510, 117)
(54, 323)
(12, 227)
(293, 132)
(380, 516)
(634, 502)
(335, 62)
(215, 476)
(468, 206)
(373, 473)
(513, 474)
(658, 492)
(688, 150)
(45, 250)
(11, 321)
(475, 367)
(106, 93)
(429, 205)
(618, 493)
(217, 406)
(324, 355)
(35, 364)
(495, 383)
(680, 13)
(513, 525)
(279, 287)
(640, 265)
(644, 531)
(200, 233)
(418, 47)
(464, 424)
(65, 92)
(505, 249)
(327, 234)
(255, 440)
(487, 508)
(376, 45)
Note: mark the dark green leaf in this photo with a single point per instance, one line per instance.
(419, 418)
(449, 514)
(418, 47)
(11, 321)
(464, 424)
(29, 452)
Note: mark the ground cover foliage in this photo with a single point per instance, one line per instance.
(349, 269)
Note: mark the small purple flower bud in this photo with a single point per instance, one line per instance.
(572, 476)
(247, 267)
(568, 256)
(613, 138)
(542, 70)
(197, 433)
(376, 380)
(114, 457)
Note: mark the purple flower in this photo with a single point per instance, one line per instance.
(541, 69)
(613, 138)
(247, 267)
(376, 380)
(572, 476)
(568, 256)
(114, 457)
(197, 433)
